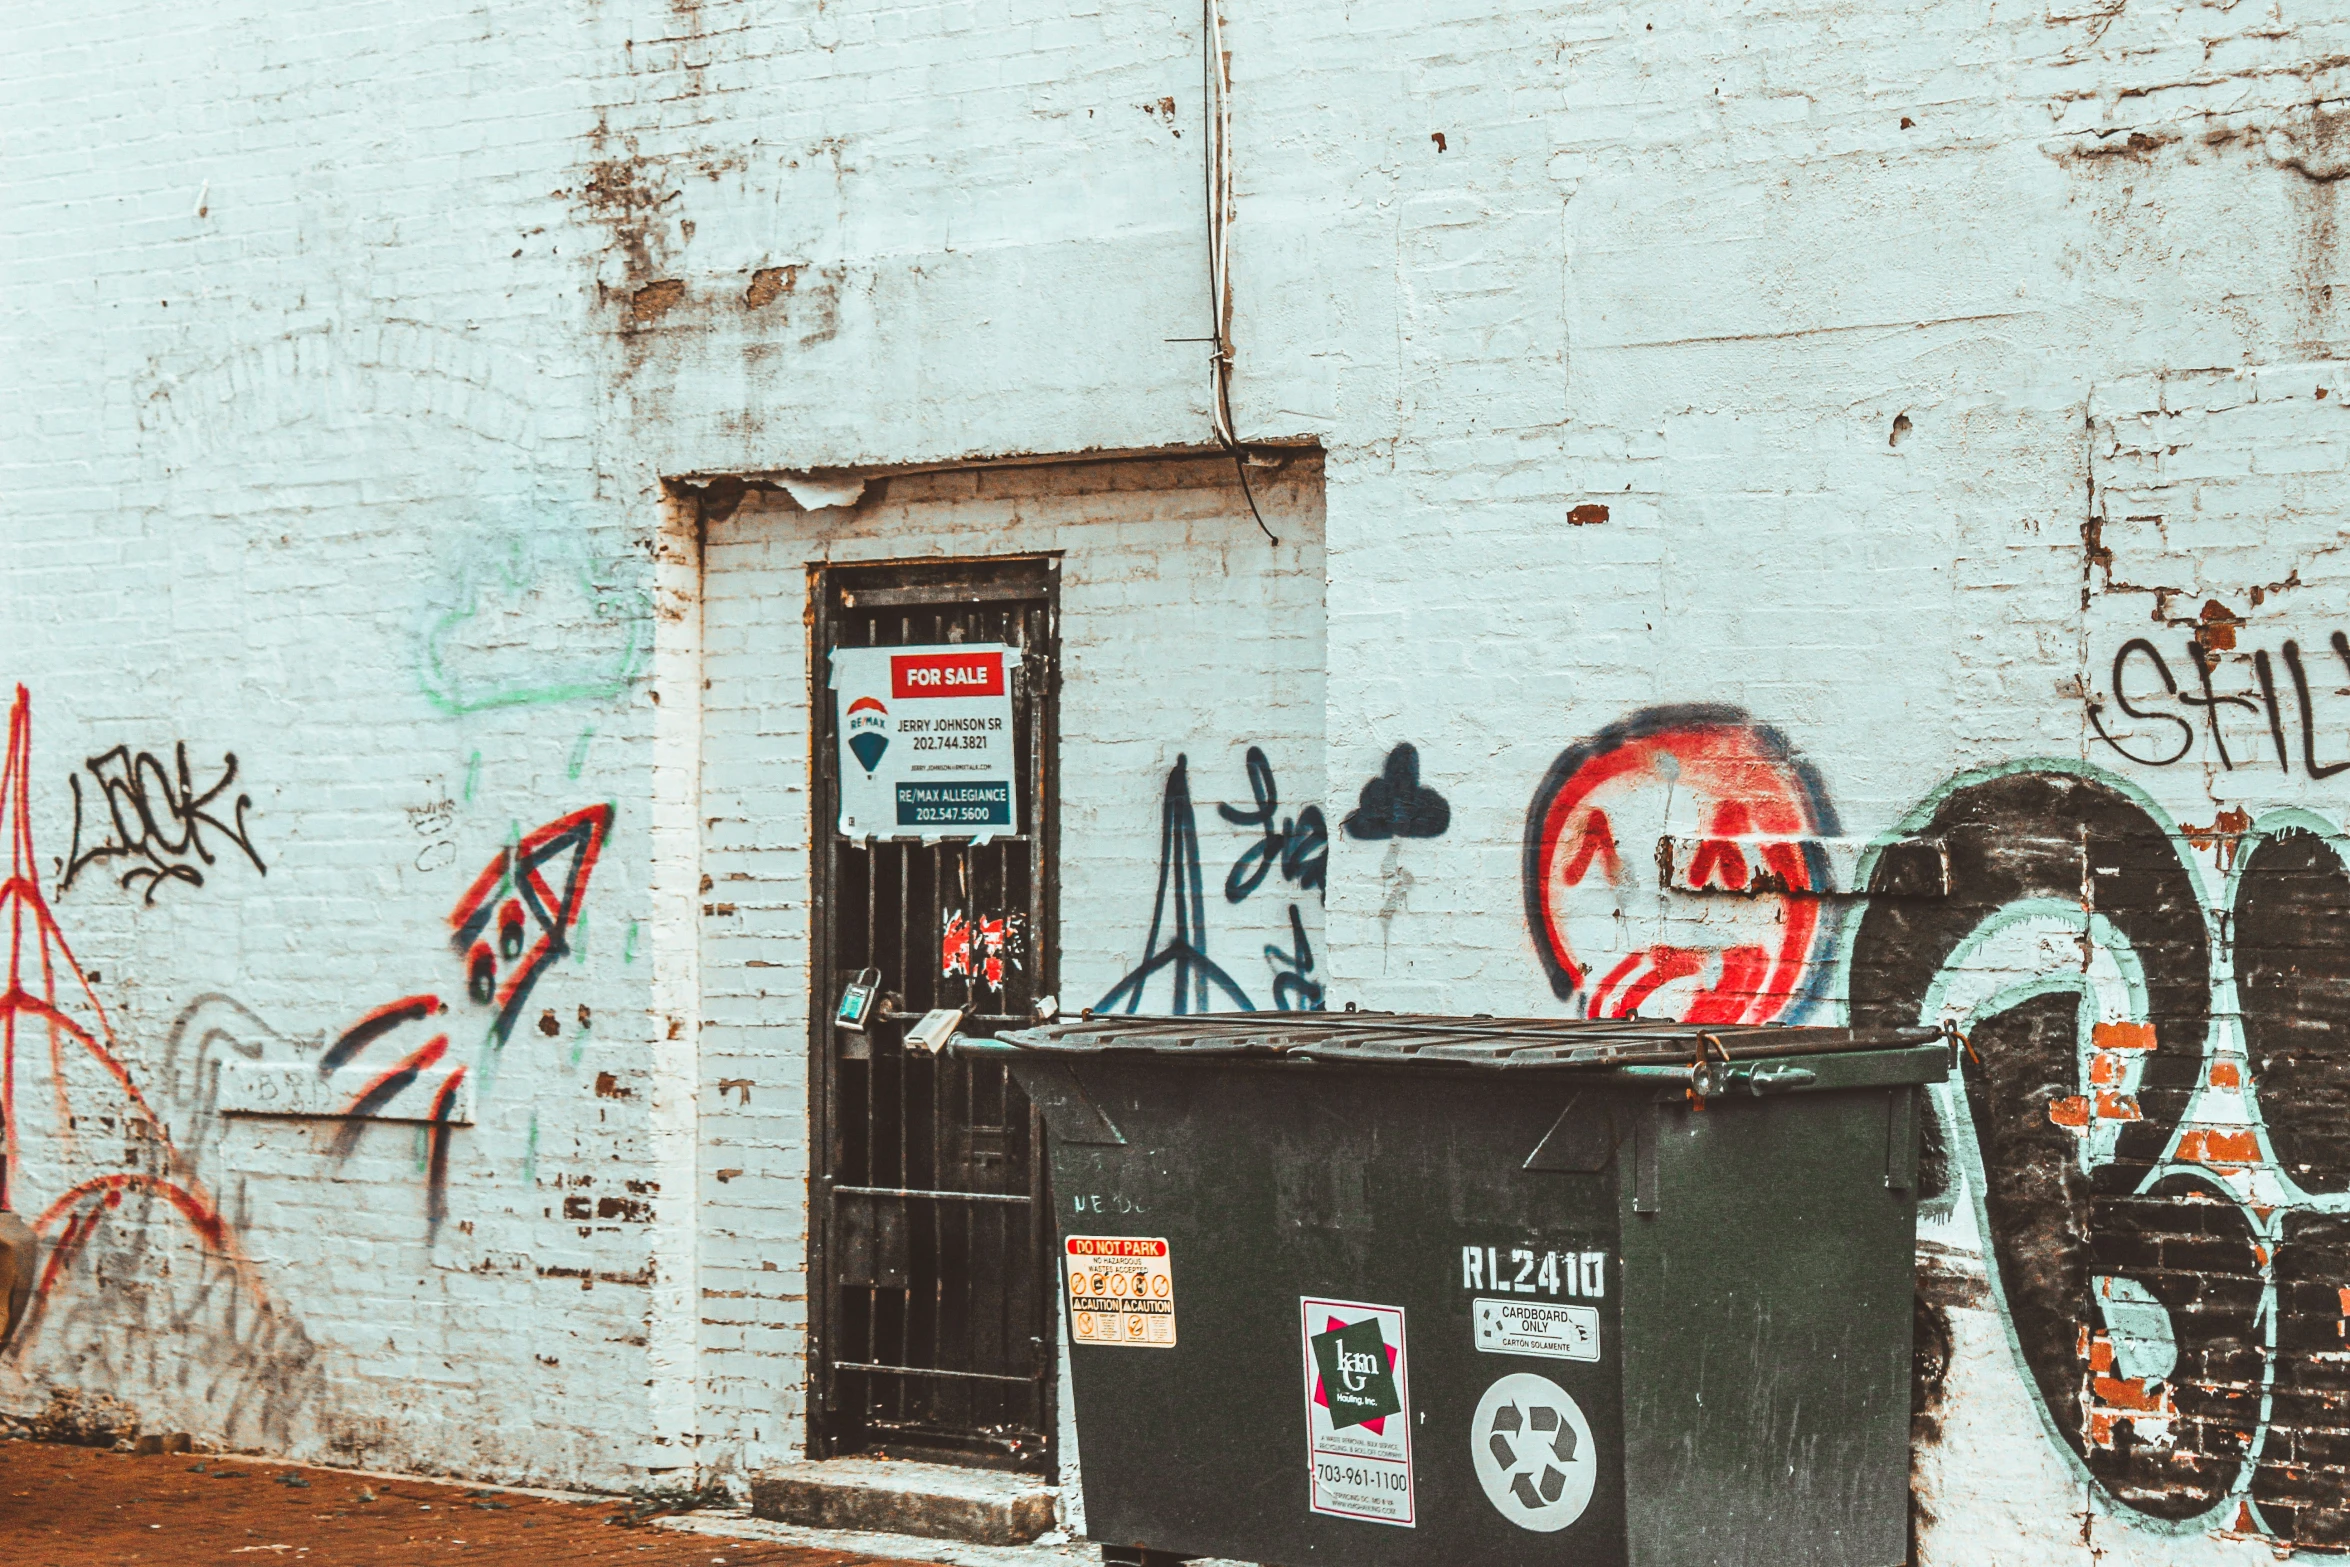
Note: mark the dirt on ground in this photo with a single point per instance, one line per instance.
(82, 1507)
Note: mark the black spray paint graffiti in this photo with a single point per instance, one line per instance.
(1396, 804)
(1194, 971)
(2156, 1170)
(1298, 848)
(2145, 687)
(1294, 989)
(158, 819)
(1301, 848)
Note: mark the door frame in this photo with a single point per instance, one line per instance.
(964, 579)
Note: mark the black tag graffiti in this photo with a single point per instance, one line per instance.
(1396, 804)
(158, 819)
(1180, 893)
(1300, 847)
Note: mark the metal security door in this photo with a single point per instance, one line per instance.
(930, 1335)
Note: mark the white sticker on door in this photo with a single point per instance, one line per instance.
(1533, 1452)
(1121, 1291)
(1520, 1327)
(1358, 1411)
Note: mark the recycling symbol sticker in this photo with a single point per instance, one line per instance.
(1534, 1452)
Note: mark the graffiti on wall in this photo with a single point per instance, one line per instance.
(1297, 849)
(1613, 940)
(2150, 1113)
(64, 1088)
(155, 820)
(531, 617)
(2152, 1091)
(247, 1362)
(1298, 846)
(1396, 804)
(532, 917)
(2154, 714)
(515, 920)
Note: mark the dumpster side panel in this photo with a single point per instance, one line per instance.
(1278, 1186)
(1768, 1309)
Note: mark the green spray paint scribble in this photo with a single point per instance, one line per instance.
(533, 618)
(628, 947)
(580, 749)
(530, 1153)
(423, 1148)
(486, 1061)
(472, 776)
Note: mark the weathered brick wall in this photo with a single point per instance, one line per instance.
(1790, 432)
(301, 486)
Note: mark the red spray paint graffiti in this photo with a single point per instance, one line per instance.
(534, 920)
(50, 997)
(1597, 896)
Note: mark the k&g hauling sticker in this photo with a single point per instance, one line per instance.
(1358, 1410)
(1121, 1291)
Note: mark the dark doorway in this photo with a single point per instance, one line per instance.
(931, 1331)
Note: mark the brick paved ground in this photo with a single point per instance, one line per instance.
(79, 1507)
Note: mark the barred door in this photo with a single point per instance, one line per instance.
(931, 1331)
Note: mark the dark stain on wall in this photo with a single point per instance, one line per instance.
(1929, 1373)
(2293, 984)
(2303, 1481)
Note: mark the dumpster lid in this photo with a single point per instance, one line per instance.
(1434, 1039)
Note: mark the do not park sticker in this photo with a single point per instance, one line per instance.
(1358, 1411)
(1121, 1291)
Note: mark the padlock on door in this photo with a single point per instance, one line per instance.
(856, 1001)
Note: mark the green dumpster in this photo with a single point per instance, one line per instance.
(1376, 1290)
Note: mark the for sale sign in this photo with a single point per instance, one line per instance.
(926, 741)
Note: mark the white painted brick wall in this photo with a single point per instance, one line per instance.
(322, 327)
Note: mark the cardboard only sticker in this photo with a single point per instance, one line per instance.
(1121, 1291)
(1522, 1327)
(1358, 1411)
(926, 740)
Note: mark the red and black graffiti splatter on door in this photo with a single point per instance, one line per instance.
(929, 1334)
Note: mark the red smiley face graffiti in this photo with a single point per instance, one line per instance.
(1609, 903)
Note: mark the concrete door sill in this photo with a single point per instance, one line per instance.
(1053, 1550)
(887, 1496)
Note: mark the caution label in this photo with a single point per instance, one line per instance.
(1520, 1327)
(1358, 1411)
(1121, 1291)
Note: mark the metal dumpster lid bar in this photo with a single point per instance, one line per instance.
(1420, 1038)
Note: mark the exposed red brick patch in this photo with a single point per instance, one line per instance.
(655, 300)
